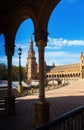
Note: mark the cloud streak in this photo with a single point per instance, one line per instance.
(52, 52)
(57, 43)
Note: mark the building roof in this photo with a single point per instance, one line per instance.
(62, 67)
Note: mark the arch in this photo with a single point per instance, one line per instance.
(47, 76)
(2, 28)
(22, 39)
(68, 75)
(73, 75)
(2, 51)
(27, 21)
(22, 14)
(77, 74)
(44, 18)
(40, 20)
(62, 75)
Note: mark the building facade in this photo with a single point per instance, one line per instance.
(70, 71)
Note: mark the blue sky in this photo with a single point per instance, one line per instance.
(65, 39)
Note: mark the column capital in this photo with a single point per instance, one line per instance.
(41, 35)
(9, 49)
(9, 44)
(41, 44)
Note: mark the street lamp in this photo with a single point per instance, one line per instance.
(20, 74)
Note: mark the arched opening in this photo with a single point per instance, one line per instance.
(2, 49)
(63, 37)
(58, 53)
(3, 62)
(22, 39)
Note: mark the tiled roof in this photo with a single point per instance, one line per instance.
(62, 67)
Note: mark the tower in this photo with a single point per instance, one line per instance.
(81, 65)
(31, 66)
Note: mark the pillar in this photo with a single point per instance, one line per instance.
(42, 106)
(9, 99)
(41, 46)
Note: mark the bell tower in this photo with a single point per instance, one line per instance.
(31, 66)
(81, 65)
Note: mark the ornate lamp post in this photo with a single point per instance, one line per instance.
(20, 74)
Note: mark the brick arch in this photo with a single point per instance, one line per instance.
(23, 14)
(45, 13)
(2, 29)
(43, 19)
(40, 19)
(13, 16)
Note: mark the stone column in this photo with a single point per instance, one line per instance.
(9, 99)
(9, 63)
(41, 47)
(42, 106)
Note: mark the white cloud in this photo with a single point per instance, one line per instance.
(57, 43)
(51, 54)
(16, 61)
(23, 46)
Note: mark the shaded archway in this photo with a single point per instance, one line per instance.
(14, 15)
(3, 62)
(58, 30)
(2, 49)
(22, 38)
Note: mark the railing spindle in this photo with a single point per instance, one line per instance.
(73, 120)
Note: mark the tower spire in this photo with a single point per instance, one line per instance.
(31, 62)
(31, 43)
(31, 39)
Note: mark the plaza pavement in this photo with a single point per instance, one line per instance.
(61, 100)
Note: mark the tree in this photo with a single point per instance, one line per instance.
(15, 72)
(3, 71)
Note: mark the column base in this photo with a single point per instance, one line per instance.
(10, 105)
(42, 114)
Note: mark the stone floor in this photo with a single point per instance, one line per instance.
(62, 100)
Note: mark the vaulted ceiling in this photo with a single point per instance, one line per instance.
(8, 6)
(13, 12)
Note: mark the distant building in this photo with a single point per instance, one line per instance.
(31, 65)
(70, 71)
